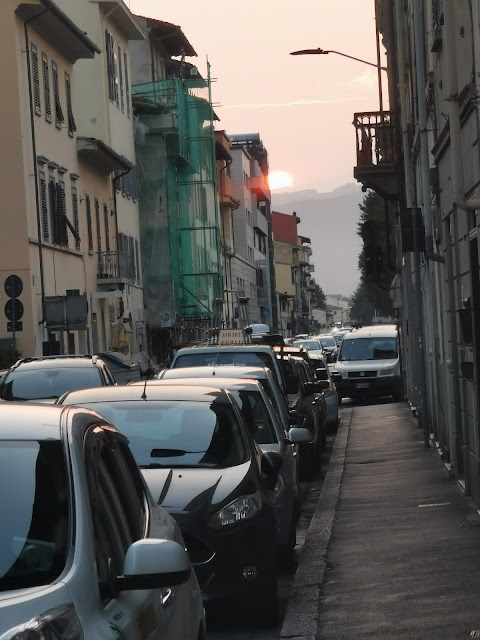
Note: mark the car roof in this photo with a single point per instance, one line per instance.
(180, 392)
(57, 362)
(380, 331)
(210, 372)
(230, 347)
(218, 381)
(30, 421)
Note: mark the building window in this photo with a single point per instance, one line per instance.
(131, 259)
(107, 228)
(76, 223)
(111, 67)
(36, 80)
(137, 260)
(126, 183)
(59, 119)
(72, 127)
(44, 203)
(127, 86)
(88, 210)
(120, 76)
(58, 212)
(46, 88)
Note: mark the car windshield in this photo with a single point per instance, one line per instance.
(225, 358)
(369, 349)
(327, 342)
(35, 526)
(165, 433)
(37, 384)
(313, 345)
(256, 416)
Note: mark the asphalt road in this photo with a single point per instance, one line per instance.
(231, 625)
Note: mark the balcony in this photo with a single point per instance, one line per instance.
(376, 153)
(113, 268)
(225, 192)
(259, 186)
(228, 246)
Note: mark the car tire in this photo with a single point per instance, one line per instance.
(340, 399)
(286, 553)
(307, 461)
(266, 605)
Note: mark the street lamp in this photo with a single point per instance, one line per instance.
(324, 52)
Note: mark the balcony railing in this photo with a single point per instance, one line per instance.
(376, 152)
(113, 266)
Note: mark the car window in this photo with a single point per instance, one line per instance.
(369, 349)
(256, 416)
(308, 344)
(44, 383)
(327, 342)
(35, 520)
(118, 511)
(225, 358)
(179, 434)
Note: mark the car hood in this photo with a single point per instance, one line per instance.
(20, 606)
(203, 491)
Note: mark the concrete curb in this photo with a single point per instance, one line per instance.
(301, 619)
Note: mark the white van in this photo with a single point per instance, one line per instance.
(368, 363)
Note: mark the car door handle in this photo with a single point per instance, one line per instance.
(167, 598)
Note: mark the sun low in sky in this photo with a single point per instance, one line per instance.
(280, 180)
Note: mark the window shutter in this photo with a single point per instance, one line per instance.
(120, 76)
(76, 223)
(52, 192)
(44, 204)
(97, 220)
(137, 260)
(61, 215)
(127, 85)
(107, 229)
(72, 127)
(36, 80)
(131, 259)
(46, 88)
(89, 222)
(59, 118)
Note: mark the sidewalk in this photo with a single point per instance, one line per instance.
(393, 549)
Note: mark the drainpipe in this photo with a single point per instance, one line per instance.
(422, 123)
(454, 113)
(34, 152)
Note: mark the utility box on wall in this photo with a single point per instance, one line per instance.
(66, 313)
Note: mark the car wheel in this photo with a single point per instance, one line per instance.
(340, 399)
(307, 461)
(266, 606)
(286, 551)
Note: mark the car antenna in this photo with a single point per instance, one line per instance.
(144, 394)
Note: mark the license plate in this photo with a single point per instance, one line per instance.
(362, 385)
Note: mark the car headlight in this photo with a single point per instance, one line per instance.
(237, 511)
(388, 371)
(279, 487)
(61, 622)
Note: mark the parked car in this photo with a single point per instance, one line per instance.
(45, 379)
(258, 355)
(202, 465)
(267, 431)
(329, 347)
(312, 345)
(368, 364)
(322, 372)
(85, 551)
(307, 402)
(262, 374)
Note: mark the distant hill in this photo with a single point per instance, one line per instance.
(330, 221)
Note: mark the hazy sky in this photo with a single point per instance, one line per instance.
(302, 106)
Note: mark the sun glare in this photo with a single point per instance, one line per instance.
(280, 180)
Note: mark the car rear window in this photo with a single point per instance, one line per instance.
(34, 535)
(225, 358)
(42, 384)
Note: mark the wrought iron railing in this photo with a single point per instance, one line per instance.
(375, 133)
(112, 265)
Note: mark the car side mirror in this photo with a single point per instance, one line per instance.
(322, 374)
(271, 464)
(336, 377)
(322, 385)
(309, 388)
(153, 564)
(296, 435)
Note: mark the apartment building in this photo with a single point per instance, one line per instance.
(422, 154)
(286, 256)
(43, 257)
(252, 266)
(179, 208)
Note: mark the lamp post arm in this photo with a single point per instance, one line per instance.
(371, 64)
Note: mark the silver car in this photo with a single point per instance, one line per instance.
(331, 396)
(268, 432)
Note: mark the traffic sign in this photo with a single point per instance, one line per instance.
(13, 309)
(14, 326)
(13, 286)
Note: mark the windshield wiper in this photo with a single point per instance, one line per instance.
(171, 453)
